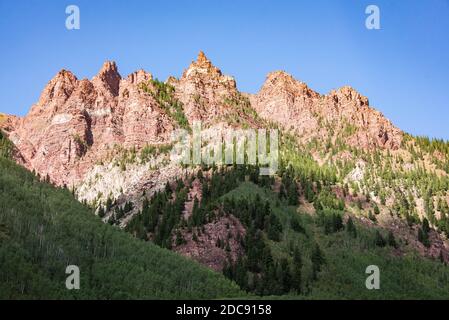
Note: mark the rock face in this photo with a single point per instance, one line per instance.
(7, 122)
(76, 123)
(205, 249)
(205, 92)
(308, 115)
(78, 130)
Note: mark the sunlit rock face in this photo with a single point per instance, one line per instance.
(307, 114)
(77, 124)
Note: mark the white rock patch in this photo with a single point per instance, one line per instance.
(357, 173)
(61, 118)
(101, 112)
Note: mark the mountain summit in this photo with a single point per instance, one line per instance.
(109, 139)
(203, 66)
(309, 115)
(76, 122)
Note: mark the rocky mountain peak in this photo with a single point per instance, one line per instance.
(279, 75)
(139, 76)
(292, 104)
(348, 94)
(203, 62)
(108, 78)
(109, 67)
(202, 58)
(59, 88)
(75, 121)
(281, 81)
(202, 67)
(203, 90)
(65, 74)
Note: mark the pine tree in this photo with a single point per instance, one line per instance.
(441, 257)
(219, 243)
(108, 204)
(391, 240)
(286, 279)
(371, 216)
(282, 192)
(101, 212)
(292, 194)
(337, 222)
(379, 240)
(295, 224)
(273, 227)
(423, 233)
(296, 270)
(317, 261)
(310, 195)
(241, 273)
(425, 225)
(179, 238)
(423, 237)
(350, 228)
(376, 210)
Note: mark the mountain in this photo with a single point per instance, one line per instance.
(343, 167)
(302, 111)
(43, 229)
(75, 122)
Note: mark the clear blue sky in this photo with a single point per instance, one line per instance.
(403, 68)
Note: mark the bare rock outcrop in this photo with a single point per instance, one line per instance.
(75, 123)
(205, 92)
(205, 247)
(307, 114)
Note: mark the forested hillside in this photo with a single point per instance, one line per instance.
(350, 190)
(285, 250)
(326, 255)
(43, 229)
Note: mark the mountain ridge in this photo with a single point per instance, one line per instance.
(110, 109)
(108, 139)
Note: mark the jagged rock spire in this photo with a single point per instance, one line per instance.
(202, 57)
(202, 66)
(108, 77)
(58, 89)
